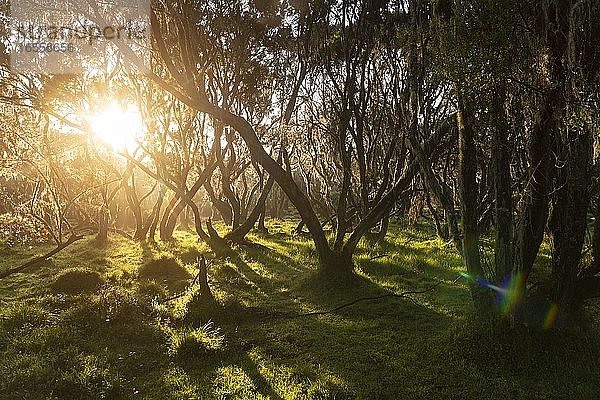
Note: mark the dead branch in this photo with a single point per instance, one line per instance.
(72, 239)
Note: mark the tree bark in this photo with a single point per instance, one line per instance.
(569, 222)
(239, 233)
(503, 254)
(166, 233)
(205, 291)
(468, 190)
(179, 206)
(535, 209)
(156, 214)
(102, 235)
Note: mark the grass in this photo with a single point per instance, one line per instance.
(125, 341)
(77, 280)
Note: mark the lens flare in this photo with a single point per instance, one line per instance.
(513, 286)
(509, 296)
(550, 318)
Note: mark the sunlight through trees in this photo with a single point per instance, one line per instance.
(258, 147)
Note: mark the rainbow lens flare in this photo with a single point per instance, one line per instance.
(550, 318)
(513, 286)
(509, 295)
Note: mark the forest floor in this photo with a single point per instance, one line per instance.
(125, 340)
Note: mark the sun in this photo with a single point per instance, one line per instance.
(121, 128)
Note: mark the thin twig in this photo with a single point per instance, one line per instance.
(186, 291)
(404, 295)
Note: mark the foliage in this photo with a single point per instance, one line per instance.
(349, 117)
(16, 229)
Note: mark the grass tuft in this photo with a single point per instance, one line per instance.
(76, 281)
(17, 317)
(163, 268)
(189, 343)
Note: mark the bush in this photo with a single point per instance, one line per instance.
(77, 280)
(163, 268)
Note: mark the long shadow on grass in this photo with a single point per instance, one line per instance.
(274, 280)
(385, 348)
(352, 343)
(363, 345)
(263, 386)
(204, 370)
(390, 258)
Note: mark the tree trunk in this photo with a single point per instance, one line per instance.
(171, 220)
(595, 267)
(503, 255)
(165, 232)
(261, 219)
(205, 291)
(440, 231)
(569, 222)
(238, 234)
(299, 227)
(156, 214)
(102, 234)
(468, 189)
(337, 266)
(222, 207)
(535, 208)
(555, 30)
(178, 206)
(184, 222)
(383, 227)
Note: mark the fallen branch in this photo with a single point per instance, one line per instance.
(72, 239)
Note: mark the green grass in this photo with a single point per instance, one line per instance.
(125, 341)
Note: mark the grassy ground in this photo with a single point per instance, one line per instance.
(123, 340)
